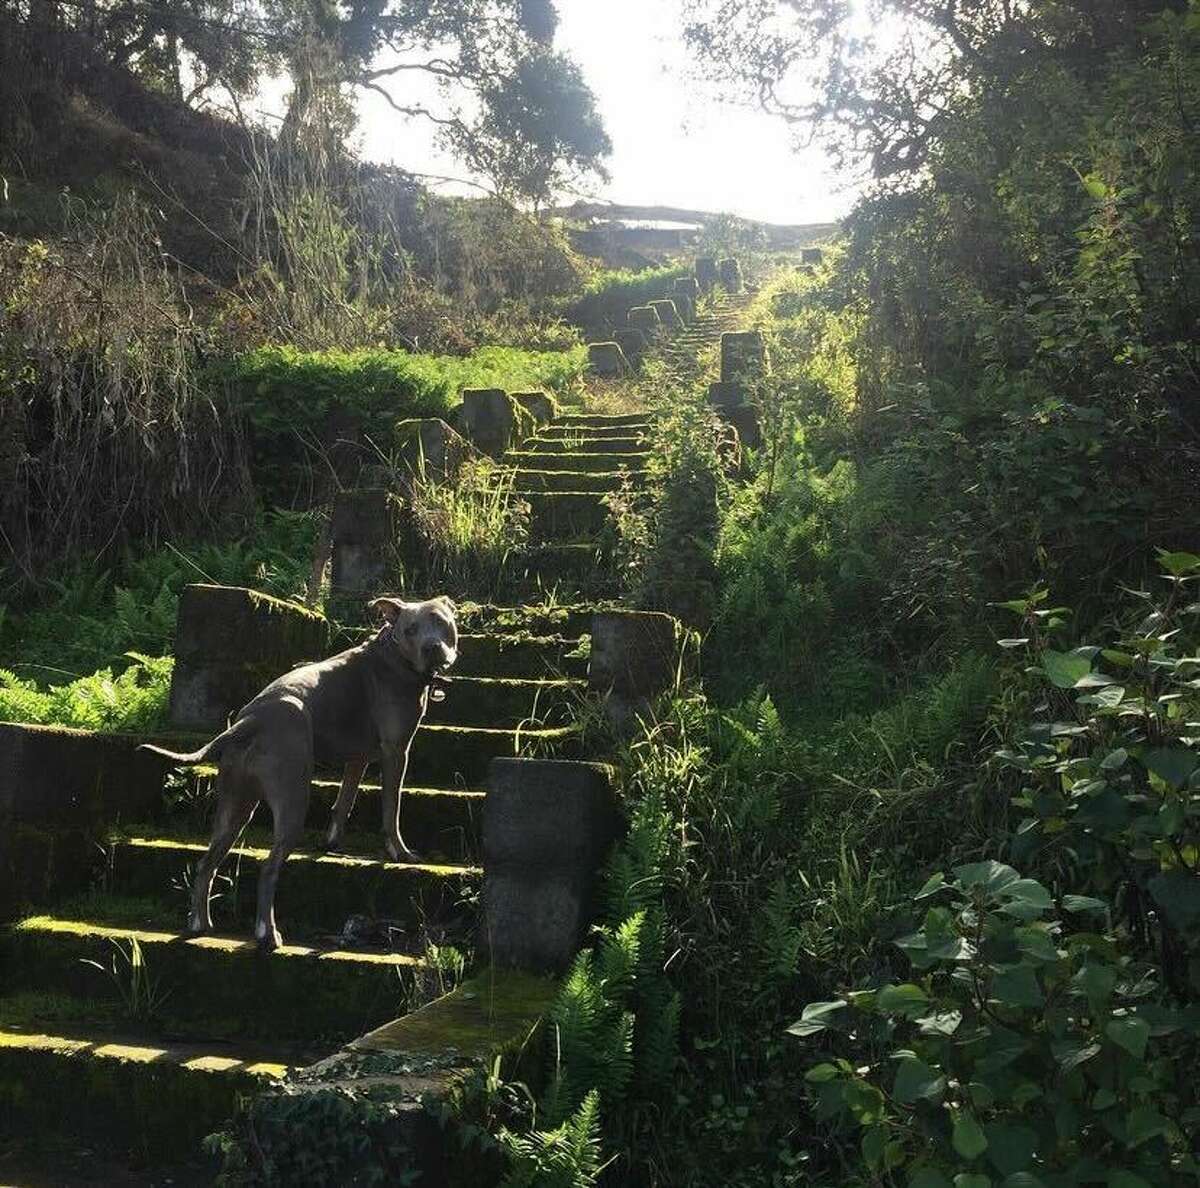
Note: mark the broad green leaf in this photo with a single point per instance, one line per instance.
(940, 1023)
(1080, 904)
(968, 1137)
(1095, 187)
(1130, 1033)
(1013, 643)
(874, 1140)
(907, 1000)
(1144, 1123)
(916, 1081)
(1177, 892)
(1172, 765)
(1017, 986)
(933, 884)
(1178, 564)
(816, 1017)
(820, 1073)
(1104, 1099)
(991, 876)
(1065, 669)
(1095, 981)
(864, 1101)
(972, 1180)
(1070, 1054)
(1010, 1147)
(1022, 1180)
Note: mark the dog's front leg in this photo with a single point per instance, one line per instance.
(395, 762)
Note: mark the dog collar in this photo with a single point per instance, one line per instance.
(435, 682)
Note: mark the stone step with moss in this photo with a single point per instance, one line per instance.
(579, 566)
(220, 987)
(590, 433)
(565, 515)
(533, 618)
(602, 420)
(631, 444)
(515, 654)
(508, 701)
(152, 1101)
(574, 480)
(458, 756)
(583, 463)
(318, 892)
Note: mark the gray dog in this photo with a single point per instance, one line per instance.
(362, 705)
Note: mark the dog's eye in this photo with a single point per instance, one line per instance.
(410, 630)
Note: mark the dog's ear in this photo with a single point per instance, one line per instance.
(449, 604)
(389, 608)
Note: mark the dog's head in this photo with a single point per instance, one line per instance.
(425, 632)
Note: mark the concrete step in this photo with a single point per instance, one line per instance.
(458, 756)
(549, 618)
(317, 892)
(152, 1100)
(560, 432)
(577, 566)
(584, 463)
(602, 420)
(517, 654)
(632, 444)
(220, 986)
(507, 701)
(529, 481)
(566, 515)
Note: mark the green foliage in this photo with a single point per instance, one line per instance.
(307, 399)
(141, 992)
(1110, 768)
(1029, 1048)
(609, 294)
(135, 701)
(568, 1156)
(88, 618)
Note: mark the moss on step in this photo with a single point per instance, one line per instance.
(498, 654)
(507, 701)
(148, 1101)
(562, 515)
(583, 463)
(573, 480)
(219, 982)
(320, 892)
(491, 1013)
(608, 447)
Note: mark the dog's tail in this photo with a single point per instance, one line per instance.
(211, 751)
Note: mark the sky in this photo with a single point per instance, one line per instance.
(672, 143)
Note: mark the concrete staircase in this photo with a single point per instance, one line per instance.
(726, 312)
(139, 1037)
(118, 1032)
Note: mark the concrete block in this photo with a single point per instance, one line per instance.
(745, 420)
(606, 360)
(743, 357)
(363, 533)
(686, 307)
(811, 255)
(668, 314)
(541, 406)
(229, 643)
(635, 654)
(547, 828)
(722, 395)
(59, 789)
(633, 343)
(708, 275)
(689, 287)
(428, 445)
(731, 274)
(493, 421)
(645, 318)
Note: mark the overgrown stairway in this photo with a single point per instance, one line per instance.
(118, 1030)
(134, 1032)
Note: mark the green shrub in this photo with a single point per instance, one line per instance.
(610, 294)
(136, 700)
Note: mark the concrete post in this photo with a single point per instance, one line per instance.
(731, 275)
(743, 358)
(231, 642)
(635, 657)
(547, 829)
(668, 314)
(633, 344)
(362, 533)
(541, 406)
(708, 275)
(492, 420)
(607, 361)
(429, 446)
(645, 318)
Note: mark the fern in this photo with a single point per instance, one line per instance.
(569, 1156)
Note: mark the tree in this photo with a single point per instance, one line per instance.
(880, 81)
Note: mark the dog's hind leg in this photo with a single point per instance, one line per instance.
(286, 790)
(394, 765)
(351, 778)
(234, 809)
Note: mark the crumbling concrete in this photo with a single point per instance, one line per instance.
(429, 446)
(633, 343)
(492, 420)
(541, 406)
(668, 314)
(607, 361)
(645, 318)
(708, 275)
(731, 274)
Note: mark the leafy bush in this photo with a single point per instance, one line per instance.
(135, 701)
(610, 294)
(1029, 1047)
(300, 403)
